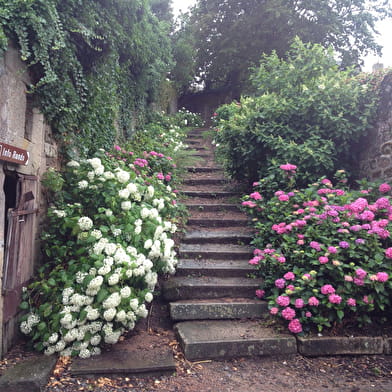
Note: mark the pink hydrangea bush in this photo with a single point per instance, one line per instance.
(325, 252)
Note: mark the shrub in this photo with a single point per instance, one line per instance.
(324, 251)
(305, 110)
(107, 238)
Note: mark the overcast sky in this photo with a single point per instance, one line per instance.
(384, 27)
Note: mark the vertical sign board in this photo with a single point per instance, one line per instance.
(13, 154)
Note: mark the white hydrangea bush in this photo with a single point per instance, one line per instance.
(107, 239)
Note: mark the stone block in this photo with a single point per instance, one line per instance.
(31, 375)
(323, 346)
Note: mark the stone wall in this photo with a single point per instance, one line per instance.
(22, 126)
(376, 156)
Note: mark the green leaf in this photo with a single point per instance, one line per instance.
(24, 305)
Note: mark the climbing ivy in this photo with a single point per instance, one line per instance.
(96, 64)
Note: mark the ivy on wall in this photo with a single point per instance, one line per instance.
(96, 64)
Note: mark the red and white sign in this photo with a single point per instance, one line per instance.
(13, 154)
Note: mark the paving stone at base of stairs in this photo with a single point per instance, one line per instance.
(179, 288)
(142, 363)
(335, 345)
(29, 376)
(223, 308)
(201, 340)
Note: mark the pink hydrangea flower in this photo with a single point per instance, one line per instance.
(288, 313)
(382, 203)
(284, 197)
(344, 244)
(323, 260)
(327, 289)
(280, 283)
(168, 177)
(260, 293)
(382, 276)
(160, 176)
(308, 314)
(299, 303)
(295, 326)
(255, 196)
(359, 281)
(351, 302)
(281, 259)
(289, 276)
(360, 273)
(348, 278)
(384, 188)
(315, 245)
(313, 301)
(283, 300)
(388, 253)
(288, 167)
(249, 203)
(332, 249)
(335, 299)
(274, 310)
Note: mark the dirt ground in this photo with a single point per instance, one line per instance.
(257, 374)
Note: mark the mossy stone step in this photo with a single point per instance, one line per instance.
(204, 169)
(209, 194)
(218, 268)
(218, 309)
(217, 237)
(205, 181)
(180, 288)
(212, 207)
(203, 340)
(215, 251)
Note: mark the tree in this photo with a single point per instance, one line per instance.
(230, 36)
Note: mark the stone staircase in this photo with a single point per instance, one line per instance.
(210, 297)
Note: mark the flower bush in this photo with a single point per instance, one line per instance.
(304, 109)
(324, 251)
(107, 238)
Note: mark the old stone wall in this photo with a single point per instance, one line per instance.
(22, 126)
(376, 155)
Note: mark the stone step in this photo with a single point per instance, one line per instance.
(204, 169)
(218, 268)
(197, 147)
(180, 288)
(215, 251)
(212, 207)
(218, 222)
(205, 181)
(203, 340)
(146, 362)
(217, 237)
(218, 309)
(208, 194)
(202, 155)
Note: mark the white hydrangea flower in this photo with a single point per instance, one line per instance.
(116, 232)
(99, 171)
(60, 213)
(138, 222)
(85, 223)
(95, 283)
(91, 175)
(104, 270)
(145, 213)
(73, 164)
(125, 292)
(113, 337)
(132, 188)
(142, 311)
(126, 205)
(60, 346)
(83, 184)
(122, 176)
(50, 350)
(95, 327)
(110, 248)
(95, 162)
(108, 175)
(95, 351)
(92, 313)
(80, 276)
(53, 338)
(129, 273)
(150, 191)
(134, 303)
(25, 327)
(132, 251)
(95, 340)
(124, 193)
(113, 279)
(96, 234)
(121, 316)
(148, 297)
(84, 353)
(148, 244)
(109, 314)
(112, 301)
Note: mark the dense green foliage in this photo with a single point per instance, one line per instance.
(305, 111)
(107, 237)
(323, 251)
(230, 36)
(96, 63)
